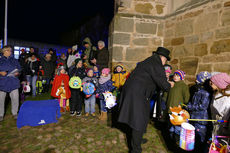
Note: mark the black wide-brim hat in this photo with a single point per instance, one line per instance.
(162, 51)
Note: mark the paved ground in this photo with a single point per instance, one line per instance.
(71, 135)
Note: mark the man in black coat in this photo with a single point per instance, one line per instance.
(101, 56)
(137, 92)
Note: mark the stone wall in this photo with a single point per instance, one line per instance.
(136, 31)
(200, 38)
(198, 34)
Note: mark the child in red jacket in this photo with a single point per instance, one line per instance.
(61, 89)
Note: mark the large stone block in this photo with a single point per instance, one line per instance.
(121, 38)
(220, 46)
(117, 53)
(136, 54)
(225, 18)
(223, 33)
(204, 67)
(189, 65)
(146, 28)
(141, 41)
(191, 39)
(177, 41)
(200, 49)
(206, 36)
(206, 22)
(216, 58)
(227, 4)
(184, 27)
(123, 24)
(143, 8)
(185, 50)
(220, 67)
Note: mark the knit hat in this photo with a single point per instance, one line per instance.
(105, 71)
(168, 68)
(180, 73)
(202, 77)
(221, 80)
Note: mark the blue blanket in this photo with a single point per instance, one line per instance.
(34, 113)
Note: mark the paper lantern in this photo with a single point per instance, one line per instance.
(187, 136)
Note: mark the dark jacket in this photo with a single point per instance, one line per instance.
(48, 68)
(138, 90)
(32, 67)
(80, 72)
(198, 107)
(102, 57)
(107, 86)
(9, 83)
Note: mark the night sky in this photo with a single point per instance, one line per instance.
(47, 20)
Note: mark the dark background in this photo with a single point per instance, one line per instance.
(57, 22)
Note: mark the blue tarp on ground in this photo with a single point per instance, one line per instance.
(34, 113)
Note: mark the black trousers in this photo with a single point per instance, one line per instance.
(136, 139)
(76, 100)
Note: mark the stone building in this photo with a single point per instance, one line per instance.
(197, 32)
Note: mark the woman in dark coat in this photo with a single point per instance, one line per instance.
(137, 91)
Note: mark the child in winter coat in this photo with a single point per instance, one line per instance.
(119, 76)
(96, 72)
(178, 95)
(90, 101)
(76, 94)
(60, 89)
(220, 107)
(198, 108)
(105, 84)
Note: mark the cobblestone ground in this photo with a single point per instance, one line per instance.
(71, 135)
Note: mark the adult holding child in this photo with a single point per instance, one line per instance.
(9, 82)
(137, 92)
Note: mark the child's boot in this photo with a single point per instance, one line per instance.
(62, 110)
(104, 116)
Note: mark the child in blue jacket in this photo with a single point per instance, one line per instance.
(198, 107)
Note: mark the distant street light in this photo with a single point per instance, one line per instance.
(5, 28)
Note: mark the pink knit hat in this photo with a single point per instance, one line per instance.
(221, 80)
(105, 71)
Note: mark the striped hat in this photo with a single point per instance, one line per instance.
(180, 73)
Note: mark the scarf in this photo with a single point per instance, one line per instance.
(102, 79)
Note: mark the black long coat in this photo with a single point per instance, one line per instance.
(137, 91)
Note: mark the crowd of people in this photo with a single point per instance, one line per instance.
(83, 76)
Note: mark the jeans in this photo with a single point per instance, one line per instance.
(90, 104)
(102, 105)
(32, 80)
(14, 96)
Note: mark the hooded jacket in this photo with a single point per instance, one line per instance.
(119, 78)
